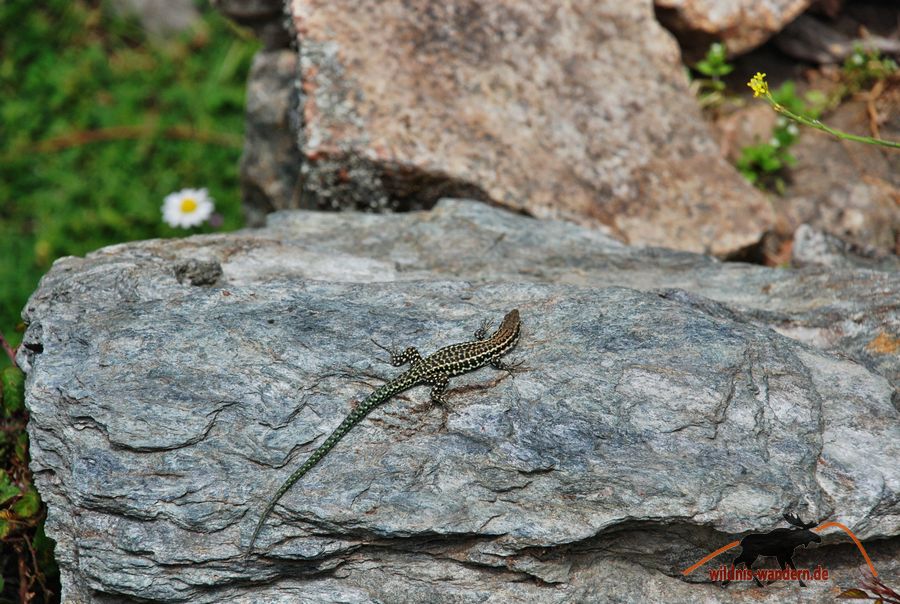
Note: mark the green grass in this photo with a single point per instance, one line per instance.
(97, 124)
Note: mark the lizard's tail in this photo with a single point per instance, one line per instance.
(373, 400)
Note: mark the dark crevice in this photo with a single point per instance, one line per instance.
(694, 45)
(755, 253)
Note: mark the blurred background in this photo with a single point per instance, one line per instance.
(103, 112)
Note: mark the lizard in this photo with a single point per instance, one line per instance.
(436, 370)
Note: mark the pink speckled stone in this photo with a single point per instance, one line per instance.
(579, 112)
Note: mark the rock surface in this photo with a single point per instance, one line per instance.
(843, 311)
(578, 111)
(814, 247)
(270, 164)
(649, 425)
(741, 25)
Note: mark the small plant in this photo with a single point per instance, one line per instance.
(761, 88)
(880, 592)
(864, 67)
(714, 66)
(29, 570)
(764, 164)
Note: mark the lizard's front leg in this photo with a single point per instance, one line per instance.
(438, 386)
(482, 332)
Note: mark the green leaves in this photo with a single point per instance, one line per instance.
(17, 506)
(89, 147)
(711, 89)
(715, 64)
(865, 66)
(17, 503)
(7, 489)
(22, 503)
(13, 456)
(28, 504)
(764, 164)
(761, 164)
(12, 391)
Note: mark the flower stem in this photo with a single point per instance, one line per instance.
(806, 121)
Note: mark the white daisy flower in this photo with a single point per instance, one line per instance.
(187, 208)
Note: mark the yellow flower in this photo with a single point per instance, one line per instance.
(759, 85)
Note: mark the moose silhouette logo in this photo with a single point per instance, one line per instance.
(779, 543)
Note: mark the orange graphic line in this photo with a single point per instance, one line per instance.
(724, 548)
(821, 527)
(862, 550)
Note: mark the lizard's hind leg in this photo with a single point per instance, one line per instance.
(438, 386)
(410, 355)
(497, 363)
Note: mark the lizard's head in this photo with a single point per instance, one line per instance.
(510, 321)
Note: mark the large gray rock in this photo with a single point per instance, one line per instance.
(649, 425)
(838, 310)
